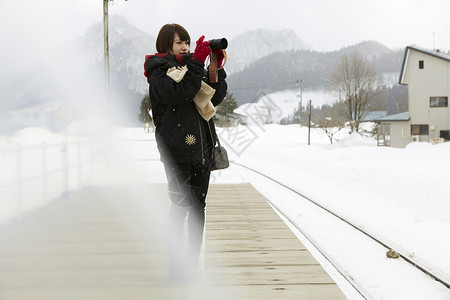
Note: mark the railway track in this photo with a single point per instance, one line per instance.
(379, 240)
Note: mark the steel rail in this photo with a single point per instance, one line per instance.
(405, 257)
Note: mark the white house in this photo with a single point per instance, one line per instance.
(427, 74)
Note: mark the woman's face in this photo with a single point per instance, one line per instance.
(179, 47)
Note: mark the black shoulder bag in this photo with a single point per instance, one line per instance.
(220, 157)
(219, 153)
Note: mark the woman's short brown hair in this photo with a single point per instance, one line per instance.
(164, 41)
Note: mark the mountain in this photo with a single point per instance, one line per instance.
(128, 47)
(282, 70)
(252, 45)
(370, 49)
(259, 61)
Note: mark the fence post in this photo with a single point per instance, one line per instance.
(79, 163)
(65, 169)
(19, 207)
(44, 172)
(91, 160)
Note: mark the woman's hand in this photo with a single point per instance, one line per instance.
(202, 49)
(220, 56)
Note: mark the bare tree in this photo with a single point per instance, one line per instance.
(355, 78)
(330, 119)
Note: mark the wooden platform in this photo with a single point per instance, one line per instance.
(110, 243)
(252, 254)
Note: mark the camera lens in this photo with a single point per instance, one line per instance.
(218, 43)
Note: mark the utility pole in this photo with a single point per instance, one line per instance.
(300, 81)
(309, 124)
(106, 52)
(434, 42)
(301, 91)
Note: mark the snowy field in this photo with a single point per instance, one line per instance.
(272, 108)
(399, 195)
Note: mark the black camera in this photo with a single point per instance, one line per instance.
(218, 43)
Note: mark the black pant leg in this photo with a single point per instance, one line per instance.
(196, 219)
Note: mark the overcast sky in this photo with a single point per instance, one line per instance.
(38, 25)
(323, 24)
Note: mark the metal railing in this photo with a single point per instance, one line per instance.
(32, 176)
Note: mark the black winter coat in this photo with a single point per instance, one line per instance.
(182, 135)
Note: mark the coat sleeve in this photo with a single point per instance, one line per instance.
(171, 93)
(220, 86)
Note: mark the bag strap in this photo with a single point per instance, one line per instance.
(212, 140)
(212, 137)
(212, 68)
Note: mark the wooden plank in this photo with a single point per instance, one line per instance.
(280, 291)
(252, 254)
(270, 275)
(249, 233)
(260, 258)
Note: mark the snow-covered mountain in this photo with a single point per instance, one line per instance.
(282, 70)
(371, 50)
(252, 45)
(256, 58)
(259, 61)
(128, 47)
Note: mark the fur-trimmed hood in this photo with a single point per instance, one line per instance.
(164, 61)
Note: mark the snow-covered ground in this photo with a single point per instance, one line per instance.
(273, 107)
(398, 195)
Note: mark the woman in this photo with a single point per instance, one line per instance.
(185, 134)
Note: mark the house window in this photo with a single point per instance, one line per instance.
(419, 129)
(420, 64)
(384, 135)
(438, 101)
(445, 134)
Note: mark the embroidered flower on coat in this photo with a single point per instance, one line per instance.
(190, 139)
